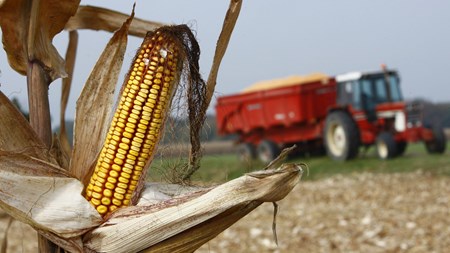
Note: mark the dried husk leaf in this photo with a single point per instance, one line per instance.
(43, 196)
(96, 18)
(28, 29)
(59, 154)
(192, 239)
(222, 44)
(16, 134)
(93, 109)
(14, 24)
(185, 223)
(65, 90)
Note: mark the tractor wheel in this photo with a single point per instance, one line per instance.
(401, 147)
(439, 143)
(341, 136)
(386, 146)
(267, 151)
(246, 152)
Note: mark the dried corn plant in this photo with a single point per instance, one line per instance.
(93, 198)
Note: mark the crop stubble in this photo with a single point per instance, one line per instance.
(404, 212)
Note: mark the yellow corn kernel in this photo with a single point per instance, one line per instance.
(107, 193)
(112, 208)
(106, 201)
(117, 202)
(136, 124)
(101, 209)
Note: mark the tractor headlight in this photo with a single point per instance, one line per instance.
(400, 121)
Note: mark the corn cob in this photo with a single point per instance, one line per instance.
(137, 123)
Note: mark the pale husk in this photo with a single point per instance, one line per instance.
(40, 194)
(138, 228)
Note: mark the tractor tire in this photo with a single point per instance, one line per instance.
(246, 152)
(341, 136)
(401, 147)
(267, 151)
(386, 147)
(439, 143)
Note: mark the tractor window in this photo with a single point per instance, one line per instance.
(396, 94)
(381, 92)
(368, 96)
(377, 90)
(345, 93)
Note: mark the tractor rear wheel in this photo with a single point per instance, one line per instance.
(341, 136)
(439, 142)
(246, 152)
(386, 146)
(267, 151)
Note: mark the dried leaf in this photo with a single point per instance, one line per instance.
(16, 134)
(96, 18)
(274, 223)
(280, 158)
(222, 44)
(41, 195)
(59, 154)
(180, 224)
(28, 29)
(94, 105)
(14, 23)
(65, 92)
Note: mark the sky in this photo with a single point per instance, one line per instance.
(274, 39)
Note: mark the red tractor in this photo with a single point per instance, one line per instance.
(320, 113)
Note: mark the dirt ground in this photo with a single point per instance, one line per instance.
(357, 213)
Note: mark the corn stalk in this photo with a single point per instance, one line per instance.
(61, 198)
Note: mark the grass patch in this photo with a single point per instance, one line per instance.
(221, 168)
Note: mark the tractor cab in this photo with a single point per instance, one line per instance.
(372, 95)
(364, 91)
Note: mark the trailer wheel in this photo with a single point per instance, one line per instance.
(386, 146)
(246, 152)
(267, 151)
(401, 147)
(341, 136)
(439, 143)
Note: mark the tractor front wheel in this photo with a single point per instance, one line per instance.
(386, 146)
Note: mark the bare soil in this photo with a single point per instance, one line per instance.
(407, 212)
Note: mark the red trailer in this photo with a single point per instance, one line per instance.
(317, 113)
